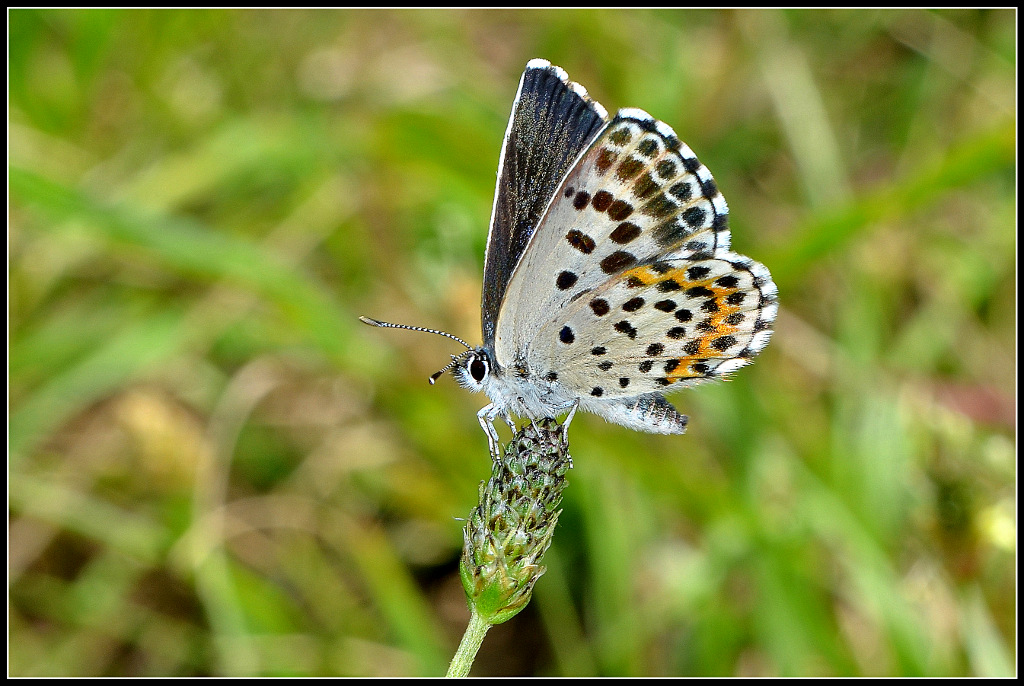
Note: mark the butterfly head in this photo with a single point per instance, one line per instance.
(470, 369)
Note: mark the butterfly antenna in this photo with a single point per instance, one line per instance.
(436, 375)
(388, 325)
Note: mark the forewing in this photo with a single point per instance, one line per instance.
(628, 286)
(552, 121)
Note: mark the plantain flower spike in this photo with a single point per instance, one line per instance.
(511, 528)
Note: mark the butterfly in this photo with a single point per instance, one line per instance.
(608, 277)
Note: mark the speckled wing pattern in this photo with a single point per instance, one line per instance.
(628, 287)
(553, 119)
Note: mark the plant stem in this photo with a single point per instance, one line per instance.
(508, 532)
(471, 640)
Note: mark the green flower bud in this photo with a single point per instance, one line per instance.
(511, 528)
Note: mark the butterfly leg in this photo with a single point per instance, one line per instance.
(533, 423)
(486, 417)
(568, 420)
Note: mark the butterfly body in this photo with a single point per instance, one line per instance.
(608, 276)
(515, 388)
(523, 392)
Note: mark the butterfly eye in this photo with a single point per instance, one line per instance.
(478, 368)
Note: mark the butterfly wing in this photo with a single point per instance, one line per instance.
(552, 121)
(628, 288)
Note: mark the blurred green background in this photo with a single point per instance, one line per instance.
(215, 469)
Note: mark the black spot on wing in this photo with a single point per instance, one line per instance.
(605, 159)
(694, 216)
(676, 332)
(602, 200)
(665, 305)
(624, 233)
(629, 167)
(626, 328)
(682, 191)
(566, 280)
(633, 304)
(617, 261)
(708, 187)
(736, 298)
(699, 292)
(645, 186)
(621, 135)
(659, 207)
(581, 241)
(691, 164)
(648, 147)
(619, 210)
(723, 343)
(697, 247)
(670, 233)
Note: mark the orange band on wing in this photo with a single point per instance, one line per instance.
(715, 334)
